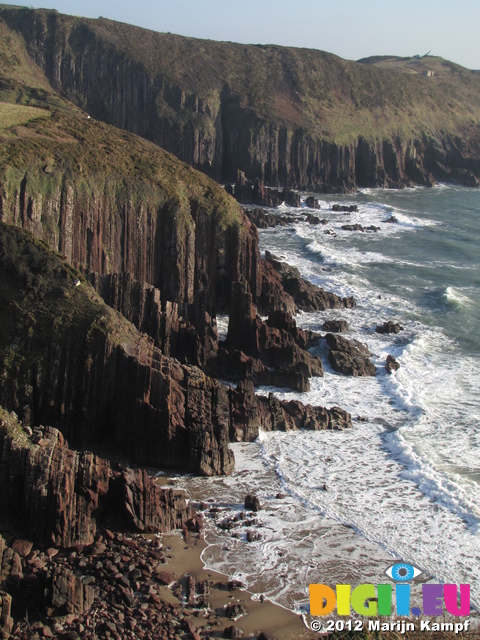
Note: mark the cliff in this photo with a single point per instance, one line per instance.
(59, 496)
(70, 361)
(286, 116)
(114, 260)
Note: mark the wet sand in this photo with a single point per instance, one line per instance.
(184, 560)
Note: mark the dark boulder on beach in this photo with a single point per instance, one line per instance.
(252, 503)
(349, 356)
(389, 327)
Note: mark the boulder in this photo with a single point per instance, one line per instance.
(335, 326)
(392, 364)
(312, 202)
(389, 327)
(359, 227)
(349, 357)
(349, 208)
(252, 503)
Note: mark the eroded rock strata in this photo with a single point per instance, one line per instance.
(59, 497)
(70, 361)
(306, 295)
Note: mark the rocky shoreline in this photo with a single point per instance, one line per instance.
(88, 569)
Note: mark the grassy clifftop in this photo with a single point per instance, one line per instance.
(50, 143)
(49, 136)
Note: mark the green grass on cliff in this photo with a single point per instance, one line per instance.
(98, 157)
(48, 138)
(11, 427)
(15, 114)
(21, 80)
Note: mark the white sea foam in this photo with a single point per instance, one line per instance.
(222, 326)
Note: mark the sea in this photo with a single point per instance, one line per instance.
(403, 484)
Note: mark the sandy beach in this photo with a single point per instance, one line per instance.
(183, 561)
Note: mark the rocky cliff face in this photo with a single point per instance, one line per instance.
(69, 361)
(269, 111)
(58, 496)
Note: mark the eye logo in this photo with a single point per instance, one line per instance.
(402, 572)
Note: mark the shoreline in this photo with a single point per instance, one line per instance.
(299, 546)
(261, 617)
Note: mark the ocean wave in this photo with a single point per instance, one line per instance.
(455, 298)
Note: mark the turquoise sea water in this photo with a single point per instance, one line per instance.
(404, 484)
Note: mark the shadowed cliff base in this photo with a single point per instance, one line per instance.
(291, 117)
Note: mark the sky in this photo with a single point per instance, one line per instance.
(351, 29)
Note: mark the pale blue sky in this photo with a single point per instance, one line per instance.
(350, 28)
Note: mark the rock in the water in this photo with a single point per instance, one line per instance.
(389, 327)
(312, 202)
(252, 503)
(335, 326)
(311, 219)
(252, 536)
(306, 295)
(263, 219)
(392, 364)
(349, 356)
(359, 227)
(349, 208)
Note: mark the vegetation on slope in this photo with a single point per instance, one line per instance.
(21, 80)
(94, 153)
